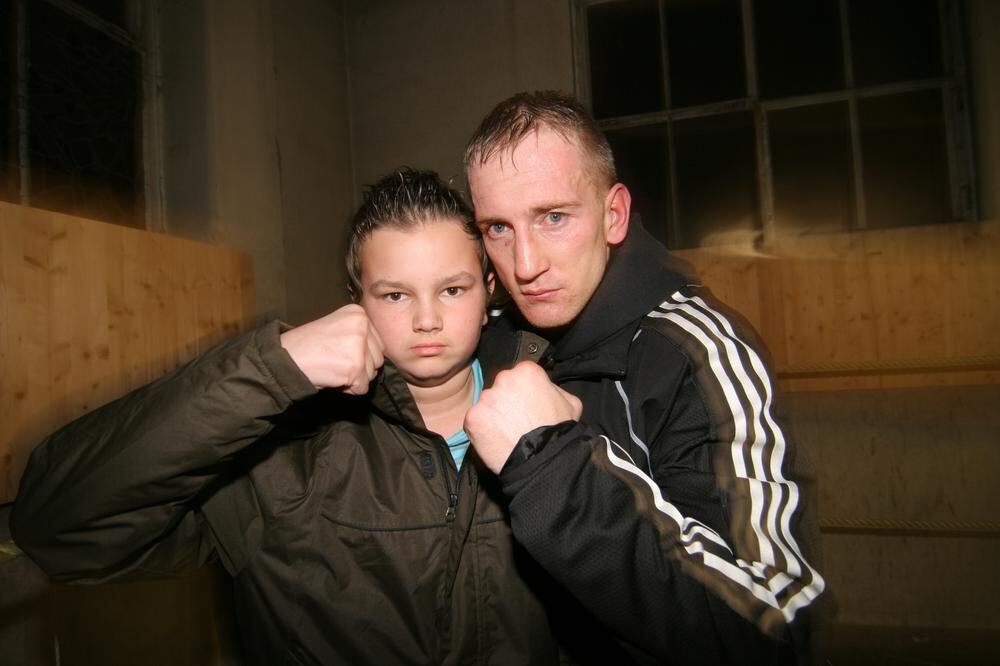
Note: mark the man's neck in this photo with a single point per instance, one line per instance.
(443, 407)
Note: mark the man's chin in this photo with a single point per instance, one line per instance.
(545, 316)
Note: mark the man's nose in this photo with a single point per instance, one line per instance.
(529, 259)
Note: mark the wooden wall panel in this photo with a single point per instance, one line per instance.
(90, 310)
(907, 499)
(891, 308)
(916, 454)
(913, 581)
(888, 342)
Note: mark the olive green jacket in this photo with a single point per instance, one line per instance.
(350, 535)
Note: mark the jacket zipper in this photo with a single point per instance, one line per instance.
(452, 508)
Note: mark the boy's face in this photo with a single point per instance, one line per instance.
(423, 290)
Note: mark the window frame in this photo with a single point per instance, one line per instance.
(953, 86)
(142, 37)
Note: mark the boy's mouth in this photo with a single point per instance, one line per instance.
(428, 349)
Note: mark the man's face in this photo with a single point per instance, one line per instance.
(423, 290)
(548, 227)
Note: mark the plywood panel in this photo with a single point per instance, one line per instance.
(90, 310)
(921, 454)
(892, 308)
(917, 582)
(921, 462)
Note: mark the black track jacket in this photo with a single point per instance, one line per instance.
(671, 510)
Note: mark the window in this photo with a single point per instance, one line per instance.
(733, 120)
(71, 88)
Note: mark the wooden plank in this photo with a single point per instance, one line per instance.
(903, 307)
(91, 310)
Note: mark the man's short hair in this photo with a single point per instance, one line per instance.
(405, 199)
(516, 117)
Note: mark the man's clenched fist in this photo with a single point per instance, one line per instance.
(520, 400)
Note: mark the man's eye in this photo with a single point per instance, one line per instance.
(554, 217)
(496, 229)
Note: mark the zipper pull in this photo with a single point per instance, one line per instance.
(450, 512)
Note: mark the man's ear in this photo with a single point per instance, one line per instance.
(617, 208)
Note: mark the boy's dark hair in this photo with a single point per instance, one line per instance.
(404, 199)
(516, 117)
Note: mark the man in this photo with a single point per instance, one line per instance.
(644, 466)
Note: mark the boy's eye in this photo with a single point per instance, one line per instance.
(454, 291)
(496, 229)
(393, 296)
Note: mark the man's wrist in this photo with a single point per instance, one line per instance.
(533, 442)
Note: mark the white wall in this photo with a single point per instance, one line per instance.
(314, 153)
(256, 141)
(423, 74)
(276, 113)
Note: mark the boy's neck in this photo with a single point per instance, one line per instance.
(443, 407)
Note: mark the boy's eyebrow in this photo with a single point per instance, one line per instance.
(386, 284)
(392, 284)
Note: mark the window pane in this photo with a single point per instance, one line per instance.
(811, 165)
(895, 41)
(705, 41)
(798, 47)
(716, 179)
(905, 159)
(113, 11)
(626, 72)
(8, 172)
(641, 157)
(83, 134)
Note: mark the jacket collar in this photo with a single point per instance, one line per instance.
(390, 396)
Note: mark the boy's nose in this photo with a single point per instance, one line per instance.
(426, 318)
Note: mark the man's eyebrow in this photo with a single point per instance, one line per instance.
(540, 209)
(555, 205)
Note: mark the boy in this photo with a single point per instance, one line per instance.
(324, 465)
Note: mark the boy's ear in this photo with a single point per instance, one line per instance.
(491, 283)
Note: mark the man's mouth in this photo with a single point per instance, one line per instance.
(539, 295)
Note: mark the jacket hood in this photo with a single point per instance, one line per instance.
(640, 273)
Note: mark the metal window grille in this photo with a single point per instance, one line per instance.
(741, 120)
